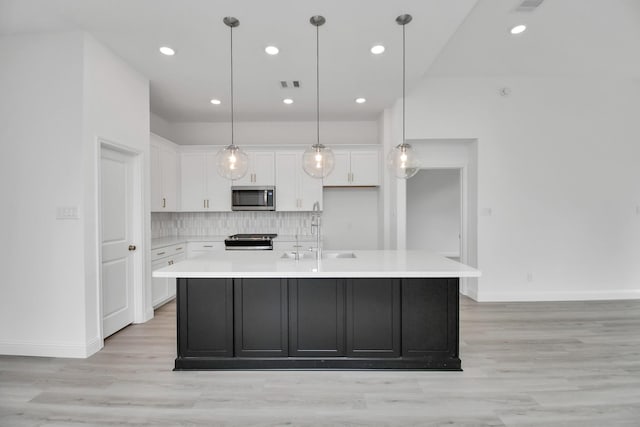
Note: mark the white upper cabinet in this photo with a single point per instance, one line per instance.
(295, 190)
(202, 188)
(355, 168)
(365, 168)
(261, 169)
(164, 175)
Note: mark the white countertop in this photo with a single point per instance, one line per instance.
(387, 263)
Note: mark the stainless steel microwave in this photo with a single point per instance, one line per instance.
(253, 198)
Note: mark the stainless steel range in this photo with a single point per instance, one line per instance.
(249, 242)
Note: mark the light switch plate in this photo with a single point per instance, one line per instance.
(67, 212)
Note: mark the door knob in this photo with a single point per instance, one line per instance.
(132, 247)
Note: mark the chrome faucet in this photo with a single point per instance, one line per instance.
(316, 229)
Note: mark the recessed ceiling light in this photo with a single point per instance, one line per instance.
(215, 101)
(518, 29)
(377, 49)
(361, 100)
(166, 50)
(288, 101)
(271, 50)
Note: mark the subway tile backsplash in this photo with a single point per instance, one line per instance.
(165, 224)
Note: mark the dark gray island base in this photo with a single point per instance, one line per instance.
(318, 323)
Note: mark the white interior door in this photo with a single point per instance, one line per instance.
(117, 254)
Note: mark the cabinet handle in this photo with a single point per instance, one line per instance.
(160, 253)
(207, 246)
(204, 203)
(171, 262)
(164, 202)
(178, 249)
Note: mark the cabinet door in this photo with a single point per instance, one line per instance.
(159, 285)
(205, 317)
(193, 182)
(365, 168)
(263, 166)
(169, 171)
(316, 320)
(261, 317)
(261, 169)
(373, 317)
(286, 177)
(156, 179)
(309, 190)
(218, 188)
(430, 317)
(341, 172)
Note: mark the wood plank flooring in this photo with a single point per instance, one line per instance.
(525, 364)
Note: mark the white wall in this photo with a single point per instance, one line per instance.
(41, 168)
(350, 218)
(274, 133)
(558, 181)
(433, 211)
(160, 126)
(116, 109)
(60, 90)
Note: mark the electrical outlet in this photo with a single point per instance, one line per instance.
(529, 277)
(638, 210)
(67, 212)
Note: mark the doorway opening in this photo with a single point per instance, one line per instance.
(448, 178)
(434, 212)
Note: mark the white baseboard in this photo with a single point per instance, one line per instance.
(94, 346)
(51, 349)
(620, 294)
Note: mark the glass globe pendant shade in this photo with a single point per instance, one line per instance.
(318, 161)
(232, 162)
(403, 161)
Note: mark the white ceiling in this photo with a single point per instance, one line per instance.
(446, 38)
(181, 86)
(564, 38)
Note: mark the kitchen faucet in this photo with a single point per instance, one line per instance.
(316, 229)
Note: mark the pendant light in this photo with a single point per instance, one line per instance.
(232, 163)
(318, 160)
(402, 159)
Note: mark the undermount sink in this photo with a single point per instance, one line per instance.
(312, 255)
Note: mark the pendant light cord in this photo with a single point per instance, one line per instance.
(232, 133)
(403, 82)
(318, 83)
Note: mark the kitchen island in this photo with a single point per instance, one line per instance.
(350, 310)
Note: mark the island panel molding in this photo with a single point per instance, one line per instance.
(333, 323)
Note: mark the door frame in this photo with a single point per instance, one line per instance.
(463, 168)
(137, 229)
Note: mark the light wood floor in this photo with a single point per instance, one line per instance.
(525, 364)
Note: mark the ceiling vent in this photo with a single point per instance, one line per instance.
(528, 5)
(292, 84)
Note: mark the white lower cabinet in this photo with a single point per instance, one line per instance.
(295, 190)
(164, 289)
